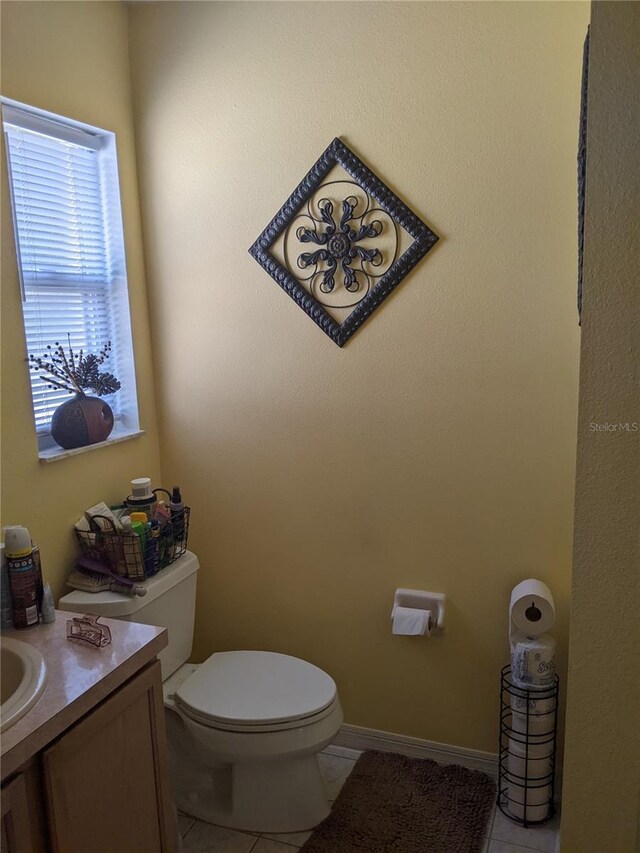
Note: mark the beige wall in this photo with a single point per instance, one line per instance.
(601, 802)
(71, 59)
(437, 449)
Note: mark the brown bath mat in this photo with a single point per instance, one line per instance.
(394, 804)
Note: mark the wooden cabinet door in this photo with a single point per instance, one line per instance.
(106, 778)
(16, 834)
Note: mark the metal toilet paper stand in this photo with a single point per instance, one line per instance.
(527, 756)
(529, 708)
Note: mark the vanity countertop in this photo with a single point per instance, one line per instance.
(79, 676)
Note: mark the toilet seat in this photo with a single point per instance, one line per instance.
(250, 691)
(286, 725)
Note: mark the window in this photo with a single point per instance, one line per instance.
(68, 227)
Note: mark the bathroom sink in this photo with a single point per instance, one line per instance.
(23, 675)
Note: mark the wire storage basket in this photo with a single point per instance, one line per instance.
(134, 556)
(527, 756)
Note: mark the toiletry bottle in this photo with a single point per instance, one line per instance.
(162, 513)
(37, 564)
(141, 487)
(176, 507)
(48, 607)
(165, 530)
(22, 577)
(5, 592)
(139, 528)
(131, 546)
(151, 552)
(142, 497)
(118, 511)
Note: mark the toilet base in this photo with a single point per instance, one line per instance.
(266, 796)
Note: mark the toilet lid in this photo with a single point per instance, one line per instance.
(256, 688)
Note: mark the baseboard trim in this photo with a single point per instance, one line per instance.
(361, 739)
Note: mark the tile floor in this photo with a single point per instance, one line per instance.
(503, 836)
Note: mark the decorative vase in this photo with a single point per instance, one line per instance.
(81, 421)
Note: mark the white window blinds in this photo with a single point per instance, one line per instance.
(66, 208)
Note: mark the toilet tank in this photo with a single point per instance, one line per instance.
(170, 603)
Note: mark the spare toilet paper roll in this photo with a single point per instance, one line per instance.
(538, 801)
(531, 608)
(411, 622)
(519, 743)
(533, 661)
(523, 698)
(535, 729)
(523, 763)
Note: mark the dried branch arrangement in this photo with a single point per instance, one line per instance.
(75, 372)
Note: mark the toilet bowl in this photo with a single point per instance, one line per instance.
(244, 728)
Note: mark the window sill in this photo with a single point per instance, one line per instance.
(53, 454)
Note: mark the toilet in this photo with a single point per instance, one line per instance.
(244, 728)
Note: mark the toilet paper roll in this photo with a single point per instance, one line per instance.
(533, 764)
(536, 730)
(531, 608)
(411, 622)
(538, 802)
(533, 661)
(525, 697)
(538, 752)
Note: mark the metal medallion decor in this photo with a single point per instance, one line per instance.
(341, 243)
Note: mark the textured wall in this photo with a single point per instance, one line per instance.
(436, 450)
(601, 804)
(71, 59)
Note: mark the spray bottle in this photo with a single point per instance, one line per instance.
(23, 577)
(176, 508)
(6, 612)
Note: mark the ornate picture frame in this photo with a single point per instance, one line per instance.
(342, 233)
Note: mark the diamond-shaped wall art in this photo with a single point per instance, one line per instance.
(341, 243)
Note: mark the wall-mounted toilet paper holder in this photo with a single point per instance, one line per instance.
(420, 600)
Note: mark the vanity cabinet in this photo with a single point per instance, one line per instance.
(106, 779)
(23, 818)
(16, 833)
(103, 783)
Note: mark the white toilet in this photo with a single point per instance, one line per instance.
(244, 728)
